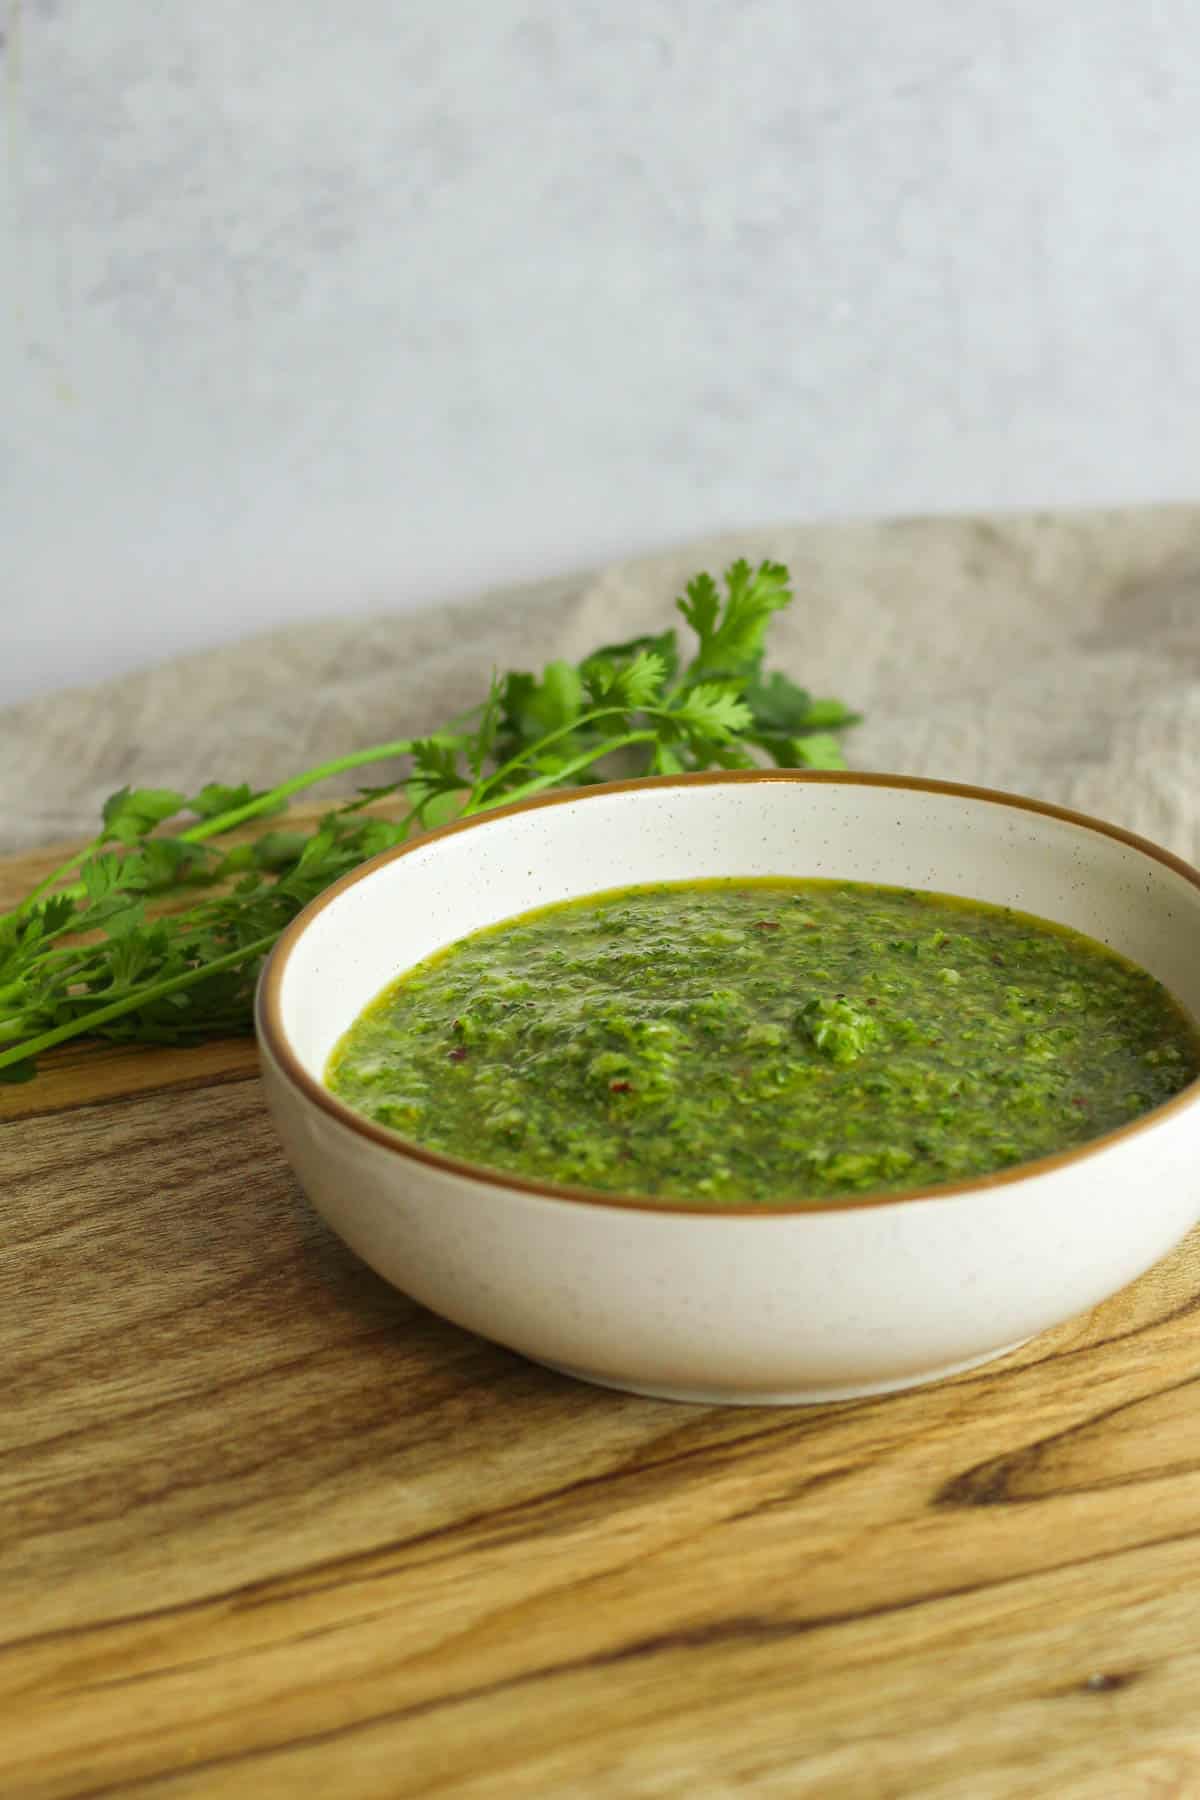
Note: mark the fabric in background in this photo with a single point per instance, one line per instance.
(1055, 655)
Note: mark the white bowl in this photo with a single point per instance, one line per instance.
(819, 1302)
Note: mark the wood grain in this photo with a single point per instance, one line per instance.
(267, 1528)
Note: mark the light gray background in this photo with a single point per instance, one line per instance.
(309, 308)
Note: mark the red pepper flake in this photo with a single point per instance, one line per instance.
(871, 1000)
(766, 924)
(620, 1087)
(999, 961)
(459, 1053)
(1077, 1100)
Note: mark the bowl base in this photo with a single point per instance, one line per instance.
(814, 1396)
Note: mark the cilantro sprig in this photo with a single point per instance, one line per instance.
(155, 931)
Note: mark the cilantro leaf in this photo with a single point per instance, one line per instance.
(82, 956)
(214, 799)
(777, 704)
(819, 750)
(664, 645)
(713, 712)
(795, 730)
(732, 634)
(530, 708)
(631, 685)
(132, 813)
(436, 772)
(830, 715)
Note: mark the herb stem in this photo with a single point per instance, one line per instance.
(557, 776)
(552, 737)
(264, 803)
(544, 743)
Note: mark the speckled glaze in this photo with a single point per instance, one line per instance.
(820, 1303)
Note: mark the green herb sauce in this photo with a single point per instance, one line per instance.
(748, 1042)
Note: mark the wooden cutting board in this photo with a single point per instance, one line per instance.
(269, 1529)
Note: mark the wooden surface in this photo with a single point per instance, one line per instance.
(268, 1529)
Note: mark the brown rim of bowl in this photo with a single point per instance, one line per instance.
(274, 1039)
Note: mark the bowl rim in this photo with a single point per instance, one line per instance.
(274, 1040)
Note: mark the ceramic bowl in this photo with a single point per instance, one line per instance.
(820, 1302)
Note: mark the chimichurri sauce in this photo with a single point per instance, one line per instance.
(748, 1042)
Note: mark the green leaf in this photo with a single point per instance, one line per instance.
(123, 920)
(436, 759)
(106, 874)
(640, 682)
(777, 704)
(599, 675)
(382, 834)
(162, 862)
(51, 915)
(732, 636)
(729, 756)
(240, 857)
(830, 715)
(560, 697)
(100, 914)
(317, 848)
(439, 809)
(130, 957)
(531, 709)
(667, 761)
(516, 691)
(437, 773)
(133, 813)
(701, 607)
(712, 711)
(664, 645)
(818, 751)
(214, 799)
(16, 1072)
(26, 933)
(277, 850)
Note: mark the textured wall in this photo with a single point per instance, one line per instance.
(309, 307)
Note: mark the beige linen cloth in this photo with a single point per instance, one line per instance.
(1057, 655)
